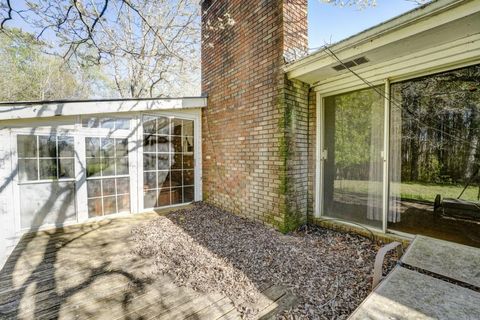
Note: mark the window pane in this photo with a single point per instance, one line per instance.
(187, 128)
(94, 188)
(92, 146)
(177, 144)
(108, 166)
(150, 199)
(163, 178)
(123, 124)
(176, 178)
(188, 144)
(121, 147)
(176, 195)
(123, 185)
(177, 127)
(188, 177)
(66, 147)
(123, 203)
(122, 166)
(187, 161)
(150, 143)
(108, 187)
(28, 170)
(163, 144)
(27, 146)
(177, 161)
(48, 169)
(108, 148)
(66, 168)
(164, 197)
(109, 205)
(188, 194)
(149, 125)
(163, 161)
(163, 125)
(149, 162)
(47, 146)
(94, 207)
(107, 123)
(90, 123)
(150, 180)
(93, 167)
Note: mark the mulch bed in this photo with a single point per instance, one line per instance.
(211, 250)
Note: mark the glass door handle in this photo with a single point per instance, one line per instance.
(324, 155)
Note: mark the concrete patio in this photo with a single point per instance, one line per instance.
(87, 270)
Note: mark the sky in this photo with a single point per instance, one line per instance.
(328, 23)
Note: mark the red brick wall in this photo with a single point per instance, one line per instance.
(253, 115)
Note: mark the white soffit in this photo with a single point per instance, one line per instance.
(435, 24)
(29, 110)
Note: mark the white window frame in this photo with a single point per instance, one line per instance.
(38, 158)
(81, 176)
(66, 127)
(129, 175)
(197, 155)
(72, 126)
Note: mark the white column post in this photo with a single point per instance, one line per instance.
(80, 177)
(198, 155)
(319, 161)
(135, 149)
(386, 156)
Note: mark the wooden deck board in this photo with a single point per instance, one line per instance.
(87, 271)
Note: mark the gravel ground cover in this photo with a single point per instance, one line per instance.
(211, 250)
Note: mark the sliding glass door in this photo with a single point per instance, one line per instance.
(435, 156)
(353, 157)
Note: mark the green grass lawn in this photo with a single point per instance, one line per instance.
(409, 190)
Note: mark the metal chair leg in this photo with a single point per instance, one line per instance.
(380, 257)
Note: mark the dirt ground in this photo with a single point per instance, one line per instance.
(208, 249)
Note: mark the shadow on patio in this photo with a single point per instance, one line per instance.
(89, 270)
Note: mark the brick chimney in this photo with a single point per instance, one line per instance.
(255, 127)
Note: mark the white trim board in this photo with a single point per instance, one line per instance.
(461, 53)
(55, 109)
(401, 28)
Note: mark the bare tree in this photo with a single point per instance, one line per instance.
(149, 47)
(158, 58)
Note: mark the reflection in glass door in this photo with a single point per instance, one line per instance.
(168, 161)
(353, 168)
(108, 180)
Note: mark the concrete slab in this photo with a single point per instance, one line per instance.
(448, 259)
(407, 294)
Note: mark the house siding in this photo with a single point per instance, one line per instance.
(255, 126)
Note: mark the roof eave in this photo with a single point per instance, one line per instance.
(45, 109)
(389, 26)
